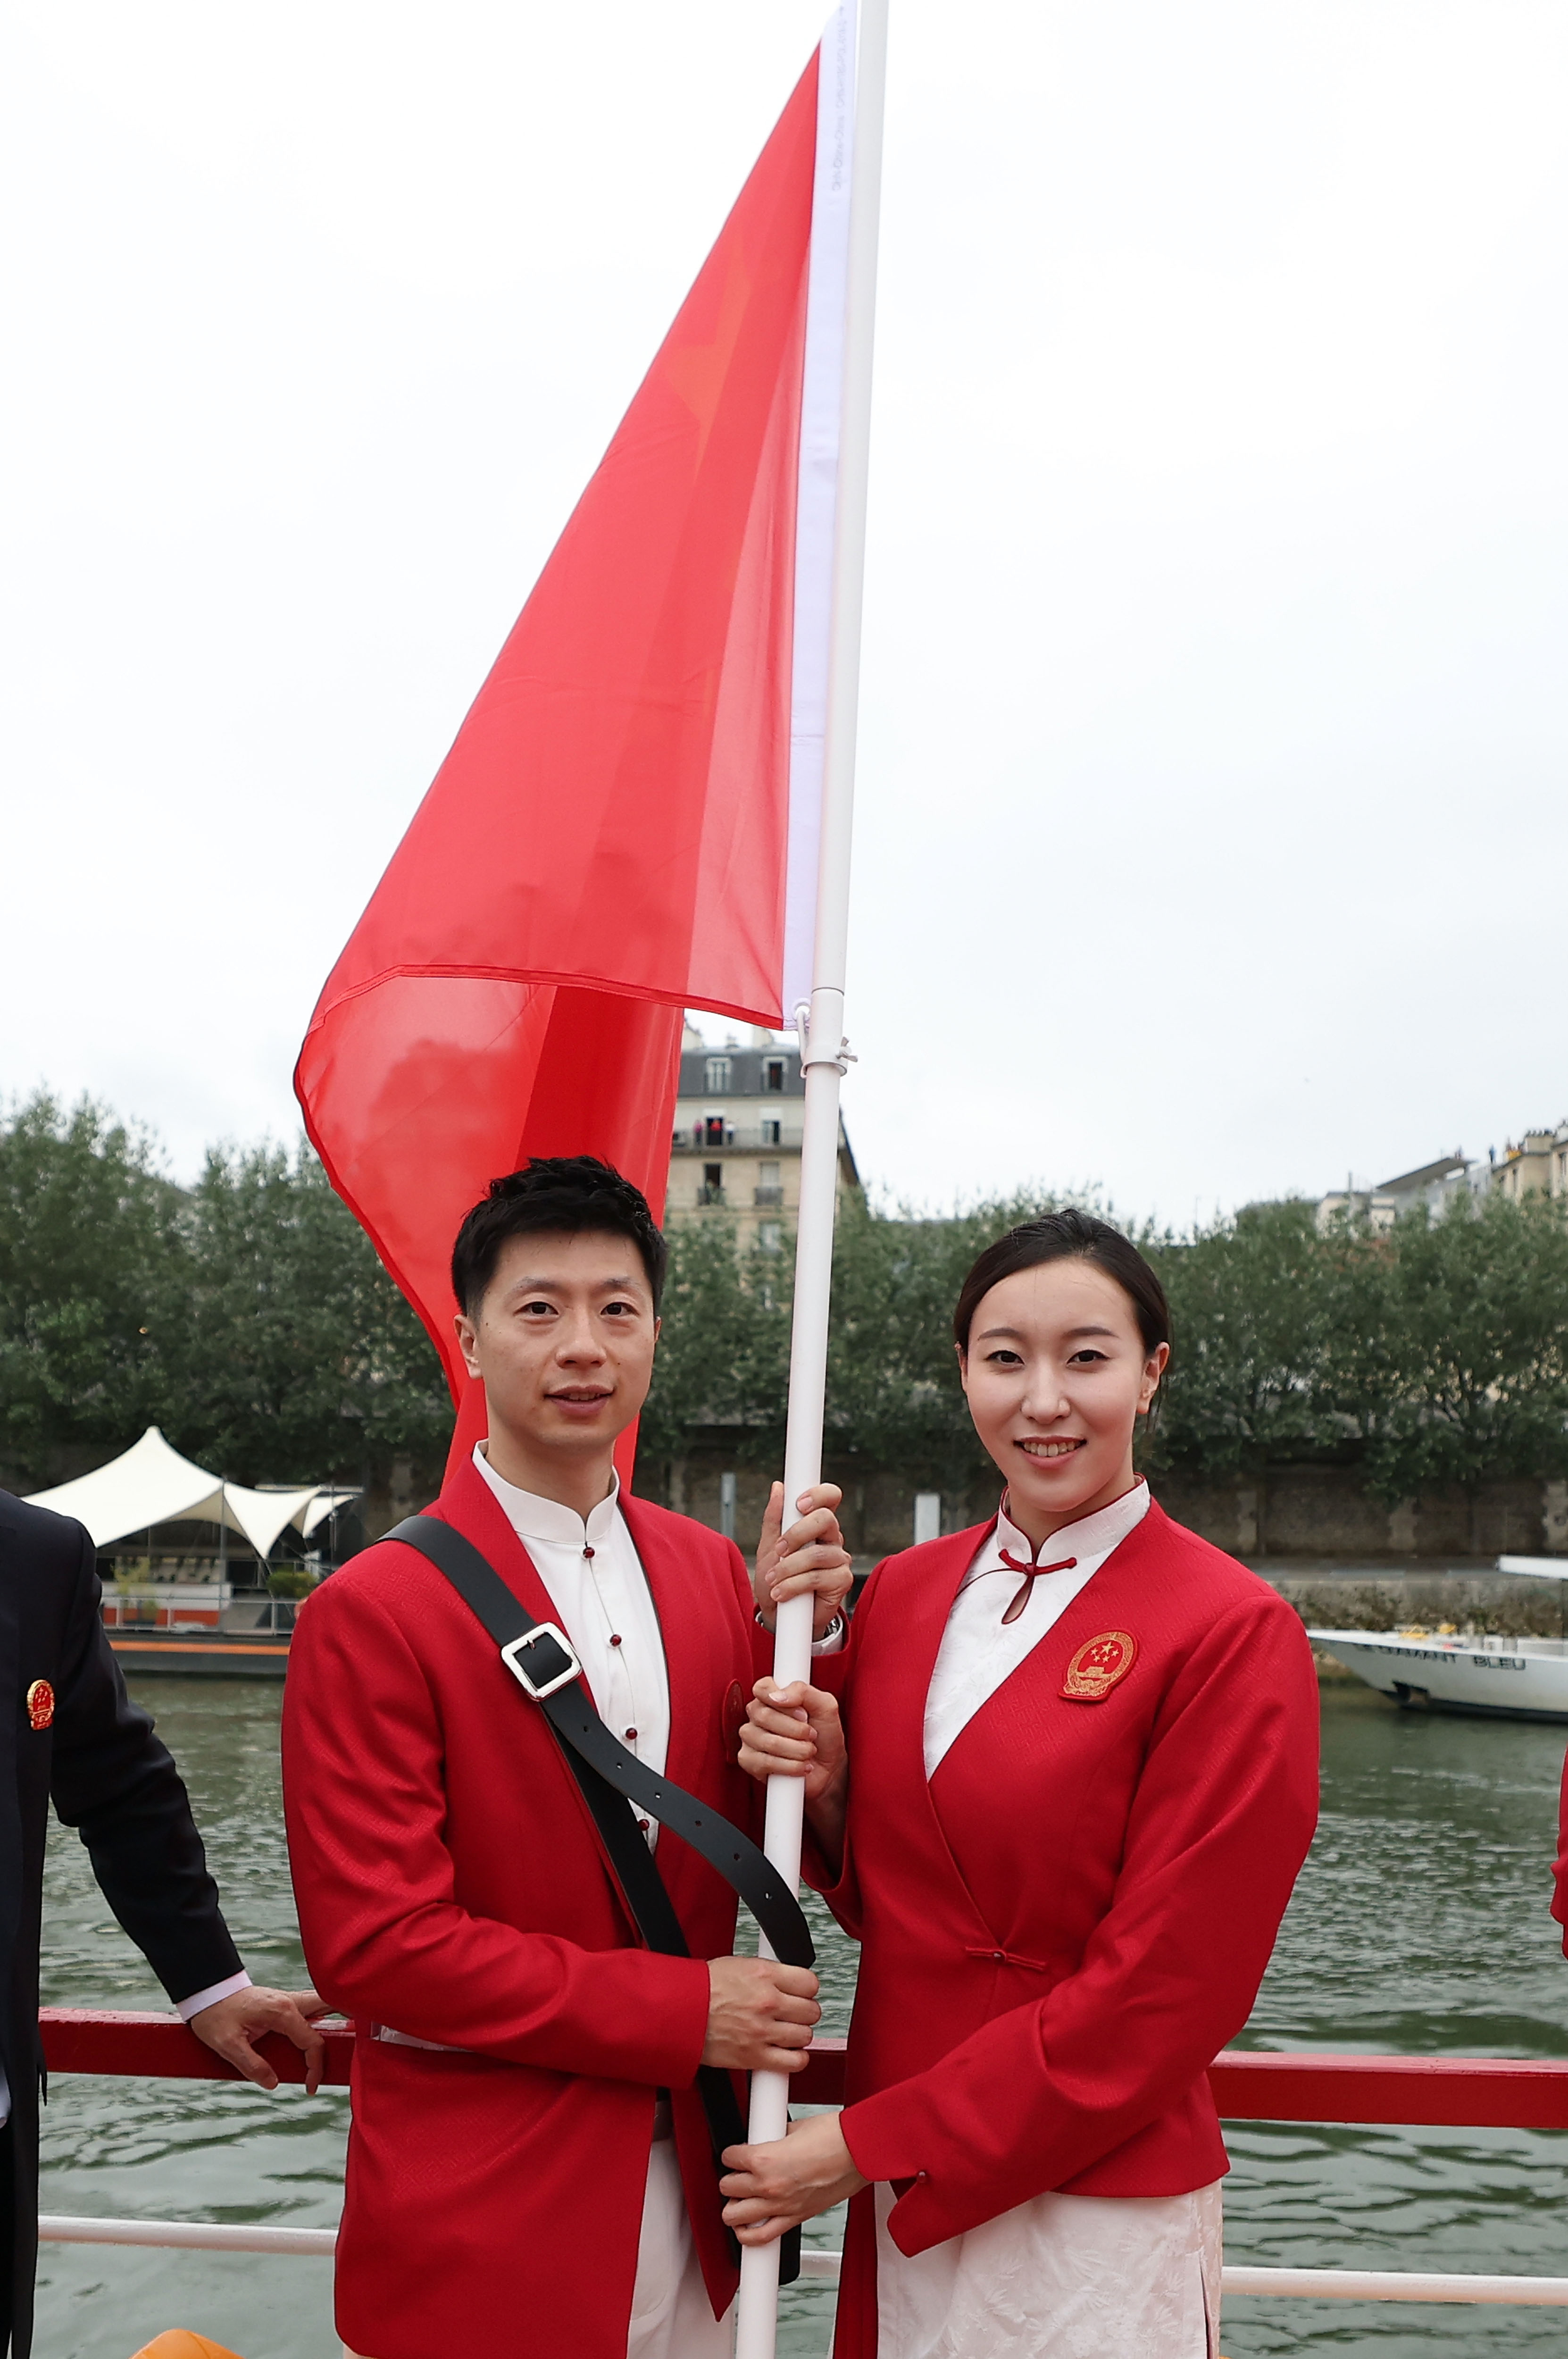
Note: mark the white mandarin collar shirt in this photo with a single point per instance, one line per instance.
(602, 1601)
(979, 1649)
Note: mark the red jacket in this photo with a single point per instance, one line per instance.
(1063, 1926)
(450, 1883)
(1560, 1865)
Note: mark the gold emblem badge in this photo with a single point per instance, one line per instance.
(1097, 1665)
(40, 1704)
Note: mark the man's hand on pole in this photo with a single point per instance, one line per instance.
(760, 2015)
(810, 1557)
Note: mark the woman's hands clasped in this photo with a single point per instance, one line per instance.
(810, 1556)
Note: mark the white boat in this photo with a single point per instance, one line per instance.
(1513, 1679)
(1448, 1671)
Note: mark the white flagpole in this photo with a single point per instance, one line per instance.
(822, 1046)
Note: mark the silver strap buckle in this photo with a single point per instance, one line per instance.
(513, 1652)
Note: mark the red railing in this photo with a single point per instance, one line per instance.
(1457, 2092)
(1250, 2085)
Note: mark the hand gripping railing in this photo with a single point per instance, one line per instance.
(1453, 2092)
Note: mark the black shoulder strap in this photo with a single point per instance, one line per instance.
(540, 1658)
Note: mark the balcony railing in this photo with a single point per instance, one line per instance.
(1459, 2091)
(735, 1141)
(767, 1196)
(706, 1195)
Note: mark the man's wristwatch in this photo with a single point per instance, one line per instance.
(835, 1629)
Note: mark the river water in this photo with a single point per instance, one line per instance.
(1419, 1925)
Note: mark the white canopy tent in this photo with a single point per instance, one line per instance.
(151, 1483)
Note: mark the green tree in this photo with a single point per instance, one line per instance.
(290, 1354)
(893, 1396)
(723, 1355)
(1251, 1314)
(89, 1236)
(1452, 1366)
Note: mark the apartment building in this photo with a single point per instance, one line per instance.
(736, 1148)
(1536, 1165)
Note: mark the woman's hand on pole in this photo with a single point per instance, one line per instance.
(810, 1556)
(794, 1732)
(772, 2188)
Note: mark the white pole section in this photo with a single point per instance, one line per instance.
(822, 1048)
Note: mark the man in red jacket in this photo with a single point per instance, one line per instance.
(529, 2167)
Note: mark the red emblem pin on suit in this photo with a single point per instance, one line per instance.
(1097, 1665)
(733, 1719)
(40, 1704)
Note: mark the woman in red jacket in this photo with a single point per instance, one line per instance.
(1060, 1794)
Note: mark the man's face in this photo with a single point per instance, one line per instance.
(564, 1341)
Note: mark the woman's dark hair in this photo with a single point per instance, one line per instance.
(1057, 1236)
(570, 1193)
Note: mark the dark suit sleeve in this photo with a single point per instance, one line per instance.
(115, 1782)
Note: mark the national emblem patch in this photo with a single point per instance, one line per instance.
(40, 1704)
(1097, 1665)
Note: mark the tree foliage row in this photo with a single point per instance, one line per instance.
(1436, 1352)
(248, 1316)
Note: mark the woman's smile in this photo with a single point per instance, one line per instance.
(1059, 1445)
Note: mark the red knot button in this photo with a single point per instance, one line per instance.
(631, 1732)
(615, 1637)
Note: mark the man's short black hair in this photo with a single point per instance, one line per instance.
(570, 1193)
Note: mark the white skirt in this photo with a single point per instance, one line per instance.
(1080, 2276)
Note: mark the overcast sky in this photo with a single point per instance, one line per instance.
(1212, 831)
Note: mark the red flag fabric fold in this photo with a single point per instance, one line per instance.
(605, 843)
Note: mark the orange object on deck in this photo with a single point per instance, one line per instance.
(179, 2342)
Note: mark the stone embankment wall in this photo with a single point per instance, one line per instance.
(1325, 1513)
(1328, 1512)
(1344, 1559)
(1421, 1596)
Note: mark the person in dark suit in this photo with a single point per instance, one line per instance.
(70, 1734)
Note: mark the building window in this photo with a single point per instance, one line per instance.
(772, 1073)
(769, 1191)
(718, 1072)
(770, 1237)
(712, 1189)
(773, 1131)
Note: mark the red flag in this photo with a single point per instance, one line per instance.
(610, 838)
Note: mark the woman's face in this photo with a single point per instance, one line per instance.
(1056, 1374)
